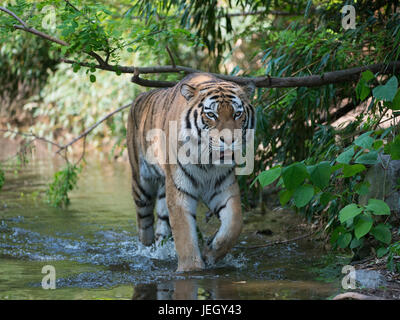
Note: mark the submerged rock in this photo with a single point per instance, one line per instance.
(370, 279)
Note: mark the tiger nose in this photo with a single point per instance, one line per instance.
(227, 140)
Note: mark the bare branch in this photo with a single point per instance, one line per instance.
(41, 34)
(98, 58)
(171, 56)
(278, 242)
(91, 128)
(31, 135)
(152, 83)
(64, 148)
(340, 76)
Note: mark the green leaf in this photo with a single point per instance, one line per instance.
(345, 157)
(381, 252)
(393, 148)
(326, 197)
(303, 195)
(337, 167)
(362, 188)
(267, 177)
(387, 91)
(368, 158)
(367, 75)
(378, 207)
(363, 226)
(294, 175)
(364, 141)
(377, 144)
(336, 233)
(396, 101)
(92, 78)
(344, 240)
(320, 174)
(352, 170)
(362, 89)
(284, 196)
(356, 243)
(348, 212)
(382, 233)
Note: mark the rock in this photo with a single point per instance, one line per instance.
(378, 177)
(370, 279)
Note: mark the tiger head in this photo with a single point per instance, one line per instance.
(218, 115)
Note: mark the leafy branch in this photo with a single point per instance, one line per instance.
(339, 76)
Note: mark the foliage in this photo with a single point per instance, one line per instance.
(64, 181)
(75, 97)
(91, 26)
(313, 48)
(393, 251)
(24, 62)
(332, 183)
(320, 167)
(67, 108)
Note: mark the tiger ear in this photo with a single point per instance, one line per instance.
(249, 89)
(187, 91)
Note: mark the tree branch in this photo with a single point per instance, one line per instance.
(94, 126)
(26, 28)
(31, 135)
(351, 74)
(171, 56)
(278, 242)
(41, 34)
(71, 5)
(14, 16)
(61, 148)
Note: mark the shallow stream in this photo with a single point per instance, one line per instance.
(94, 248)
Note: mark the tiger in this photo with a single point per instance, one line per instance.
(200, 105)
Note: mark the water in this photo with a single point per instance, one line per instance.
(94, 248)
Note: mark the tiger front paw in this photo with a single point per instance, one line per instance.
(188, 265)
(209, 255)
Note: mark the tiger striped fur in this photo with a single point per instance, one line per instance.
(198, 103)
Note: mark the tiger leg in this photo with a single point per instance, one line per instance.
(229, 212)
(144, 202)
(163, 228)
(182, 213)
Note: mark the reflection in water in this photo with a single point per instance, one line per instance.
(187, 289)
(220, 289)
(94, 247)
